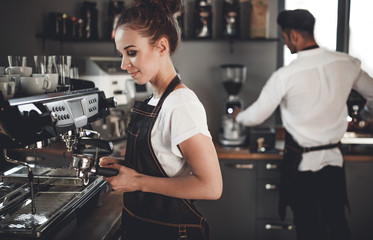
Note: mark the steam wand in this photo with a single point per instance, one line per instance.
(30, 178)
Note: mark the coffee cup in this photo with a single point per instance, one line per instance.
(52, 78)
(15, 78)
(12, 78)
(34, 85)
(4, 78)
(23, 71)
(7, 89)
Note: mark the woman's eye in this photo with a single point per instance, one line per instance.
(119, 54)
(131, 53)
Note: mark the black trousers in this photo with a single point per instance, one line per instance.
(319, 205)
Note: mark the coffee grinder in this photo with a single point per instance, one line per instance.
(232, 134)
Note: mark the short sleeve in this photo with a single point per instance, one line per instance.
(187, 118)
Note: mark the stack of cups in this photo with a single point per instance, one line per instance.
(45, 67)
(7, 85)
(17, 69)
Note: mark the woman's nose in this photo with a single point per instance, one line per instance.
(125, 64)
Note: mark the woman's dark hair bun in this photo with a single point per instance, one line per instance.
(172, 6)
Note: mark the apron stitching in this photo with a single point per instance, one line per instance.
(159, 106)
(160, 222)
(145, 113)
(155, 159)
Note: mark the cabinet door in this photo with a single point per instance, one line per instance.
(359, 176)
(233, 215)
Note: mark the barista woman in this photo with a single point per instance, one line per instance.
(170, 157)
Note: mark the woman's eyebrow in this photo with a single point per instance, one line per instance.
(128, 46)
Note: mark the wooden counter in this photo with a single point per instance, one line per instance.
(245, 154)
(104, 221)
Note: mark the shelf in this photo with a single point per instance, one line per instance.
(46, 37)
(68, 39)
(230, 40)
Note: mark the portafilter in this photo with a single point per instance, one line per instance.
(86, 163)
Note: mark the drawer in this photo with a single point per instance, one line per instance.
(267, 199)
(269, 169)
(275, 230)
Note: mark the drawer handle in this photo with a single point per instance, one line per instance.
(269, 226)
(270, 166)
(244, 166)
(270, 186)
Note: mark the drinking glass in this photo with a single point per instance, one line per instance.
(63, 66)
(40, 64)
(17, 61)
(52, 64)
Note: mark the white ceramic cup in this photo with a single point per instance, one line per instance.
(52, 78)
(4, 78)
(23, 71)
(12, 78)
(8, 89)
(34, 85)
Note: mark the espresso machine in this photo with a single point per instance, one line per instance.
(232, 134)
(49, 172)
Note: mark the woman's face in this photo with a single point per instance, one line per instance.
(139, 58)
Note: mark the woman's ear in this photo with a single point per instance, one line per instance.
(163, 46)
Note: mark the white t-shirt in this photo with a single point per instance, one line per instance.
(182, 116)
(312, 93)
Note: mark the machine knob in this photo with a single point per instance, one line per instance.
(111, 102)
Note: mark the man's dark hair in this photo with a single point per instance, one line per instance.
(299, 19)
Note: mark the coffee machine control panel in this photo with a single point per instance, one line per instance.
(25, 121)
(74, 111)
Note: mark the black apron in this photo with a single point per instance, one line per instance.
(289, 170)
(150, 215)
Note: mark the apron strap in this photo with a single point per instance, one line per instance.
(171, 86)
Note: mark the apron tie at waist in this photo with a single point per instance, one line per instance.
(317, 148)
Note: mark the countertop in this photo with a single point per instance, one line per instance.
(104, 221)
(350, 153)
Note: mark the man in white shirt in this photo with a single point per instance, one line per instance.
(312, 92)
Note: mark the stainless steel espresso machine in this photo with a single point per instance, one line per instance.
(232, 134)
(49, 168)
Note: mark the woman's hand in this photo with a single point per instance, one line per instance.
(125, 181)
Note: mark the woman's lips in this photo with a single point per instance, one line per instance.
(133, 74)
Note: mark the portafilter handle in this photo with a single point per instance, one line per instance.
(106, 172)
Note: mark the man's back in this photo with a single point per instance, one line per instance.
(315, 89)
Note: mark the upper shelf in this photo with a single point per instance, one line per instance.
(67, 39)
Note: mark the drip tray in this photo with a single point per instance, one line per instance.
(56, 207)
(43, 175)
(48, 205)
